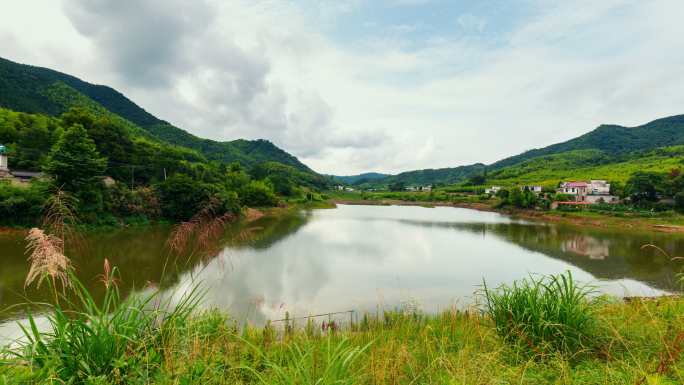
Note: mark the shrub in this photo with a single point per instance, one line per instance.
(22, 205)
(181, 196)
(551, 313)
(258, 194)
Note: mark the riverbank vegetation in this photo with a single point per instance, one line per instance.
(541, 330)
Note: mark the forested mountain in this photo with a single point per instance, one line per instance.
(588, 156)
(435, 176)
(613, 140)
(358, 179)
(30, 89)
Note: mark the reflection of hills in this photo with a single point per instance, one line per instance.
(606, 254)
(266, 231)
(140, 254)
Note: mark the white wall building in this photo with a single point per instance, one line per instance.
(534, 189)
(4, 166)
(493, 190)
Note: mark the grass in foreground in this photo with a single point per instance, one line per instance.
(639, 342)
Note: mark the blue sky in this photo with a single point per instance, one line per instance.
(417, 22)
(370, 85)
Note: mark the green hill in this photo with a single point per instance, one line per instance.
(30, 89)
(435, 176)
(608, 152)
(613, 140)
(358, 179)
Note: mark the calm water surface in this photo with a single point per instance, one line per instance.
(362, 258)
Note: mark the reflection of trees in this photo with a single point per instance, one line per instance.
(604, 253)
(266, 231)
(140, 254)
(249, 286)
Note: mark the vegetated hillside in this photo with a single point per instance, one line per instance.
(435, 176)
(359, 179)
(548, 170)
(613, 140)
(609, 152)
(30, 89)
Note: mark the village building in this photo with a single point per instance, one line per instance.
(592, 192)
(4, 166)
(534, 189)
(14, 176)
(427, 188)
(493, 190)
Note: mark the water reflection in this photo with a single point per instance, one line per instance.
(362, 258)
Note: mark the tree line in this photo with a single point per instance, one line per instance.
(153, 180)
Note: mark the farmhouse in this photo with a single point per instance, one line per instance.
(594, 191)
(534, 189)
(493, 190)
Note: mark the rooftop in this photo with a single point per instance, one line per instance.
(576, 184)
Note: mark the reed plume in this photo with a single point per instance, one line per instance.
(59, 216)
(47, 259)
(203, 230)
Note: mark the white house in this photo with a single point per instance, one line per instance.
(596, 191)
(599, 187)
(493, 190)
(4, 167)
(534, 189)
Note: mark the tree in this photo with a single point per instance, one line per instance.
(643, 186)
(397, 186)
(74, 162)
(258, 194)
(182, 197)
(477, 180)
(679, 202)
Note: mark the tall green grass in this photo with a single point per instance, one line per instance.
(543, 314)
(87, 342)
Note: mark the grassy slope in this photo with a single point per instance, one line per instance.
(642, 344)
(587, 164)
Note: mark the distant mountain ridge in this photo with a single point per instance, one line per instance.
(360, 178)
(32, 89)
(604, 145)
(613, 140)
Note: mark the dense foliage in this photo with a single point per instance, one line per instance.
(151, 179)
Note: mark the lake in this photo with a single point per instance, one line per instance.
(361, 258)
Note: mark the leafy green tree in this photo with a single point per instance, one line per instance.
(74, 161)
(679, 202)
(259, 194)
(643, 187)
(477, 180)
(181, 197)
(397, 186)
(503, 193)
(522, 199)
